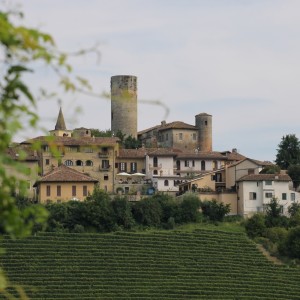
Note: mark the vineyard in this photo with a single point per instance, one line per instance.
(164, 265)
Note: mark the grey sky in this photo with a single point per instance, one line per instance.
(237, 60)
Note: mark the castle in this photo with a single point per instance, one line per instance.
(175, 157)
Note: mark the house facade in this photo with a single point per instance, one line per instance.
(256, 190)
(63, 184)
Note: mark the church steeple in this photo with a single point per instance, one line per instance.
(60, 123)
(60, 127)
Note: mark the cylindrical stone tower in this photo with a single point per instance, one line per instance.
(204, 125)
(124, 104)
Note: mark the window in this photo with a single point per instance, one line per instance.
(283, 196)
(186, 163)
(252, 196)
(105, 177)
(155, 172)
(123, 167)
(48, 190)
(73, 190)
(105, 164)
(268, 195)
(180, 136)
(46, 148)
(194, 136)
(293, 196)
(47, 162)
(84, 190)
(58, 191)
(166, 183)
(69, 162)
(155, 161)
(167, 136)
(250, 171)
(133, 167)
(215, 165)
(89, 163)
(88, 150)
(193, 163)
(202, 165)
(79, 163)
(268, 182)
(205, 123)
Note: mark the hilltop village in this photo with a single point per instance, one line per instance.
(175, 158)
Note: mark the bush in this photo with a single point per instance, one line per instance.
(214, 210)
(255, 226)
(276, 234)
(147, 212)
(188, 210)
(291, 246)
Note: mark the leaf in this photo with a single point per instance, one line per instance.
(17, 69)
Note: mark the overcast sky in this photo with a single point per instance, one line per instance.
(236, 60)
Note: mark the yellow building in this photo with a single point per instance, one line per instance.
(63, 184)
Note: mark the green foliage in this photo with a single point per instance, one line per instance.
(274, 217)
(214, 211)
(101, 133)
(293, 209)
(255, 226)
(122, 212)
(275, 234)
(288, 152)
(203, 264)
(291, 247)
(294, 172)
(147, 212)
(189, 209)
(271, 169)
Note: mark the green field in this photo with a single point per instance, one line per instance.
(204, 264)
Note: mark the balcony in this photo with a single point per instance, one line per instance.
(155, 167)
(104, 168)
(103, 154)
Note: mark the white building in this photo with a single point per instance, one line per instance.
(256, 190)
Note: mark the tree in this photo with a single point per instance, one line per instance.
(271, 169)
(274, 217)
(294, 172)
(255, 226)
(101, 133)
(288, 152)
(215, 211)
(21, 48)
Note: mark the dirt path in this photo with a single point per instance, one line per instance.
(273, 259)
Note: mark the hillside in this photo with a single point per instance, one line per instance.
(163, 265)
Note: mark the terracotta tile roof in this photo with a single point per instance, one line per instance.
(257, 162)
(14, 151)
(177, 125)
(162, 152)
(66, 174)
(166, 126)
(132, 153)
(75, 141)
(264, 177)
(148, 129)
(202, 155)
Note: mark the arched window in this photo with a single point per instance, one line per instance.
(202, 165)
(89, 163)
(79, 163)
(166, 183)
(69, 162)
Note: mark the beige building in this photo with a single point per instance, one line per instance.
(30, 167)
(64, 184)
